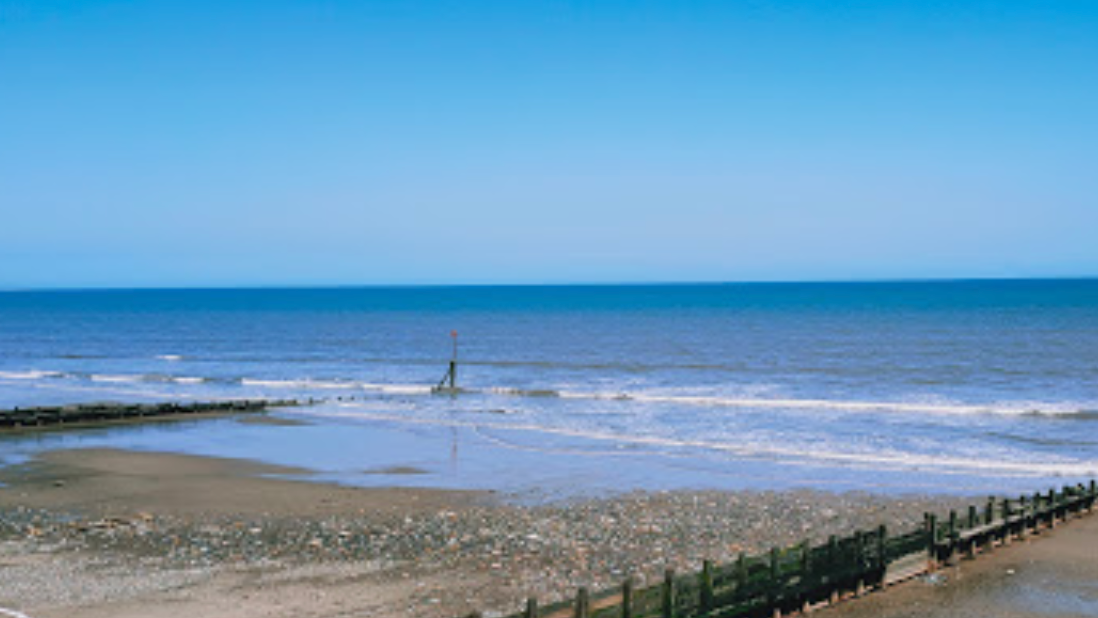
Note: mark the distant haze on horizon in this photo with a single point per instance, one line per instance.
(278, 143)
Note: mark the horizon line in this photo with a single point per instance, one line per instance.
(654, 283)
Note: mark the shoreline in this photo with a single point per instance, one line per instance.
(467, 452)
(172, 534)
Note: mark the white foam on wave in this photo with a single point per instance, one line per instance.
(398, 389)
(1008, 408)
(171, 358)
(393, 389)
(102, 378)
(154, 378)
(882, 460)
(116, 378)
(282, 383)
(32, 374)
(390, 388)
(942, 407)
(275, 383)
(119, 388)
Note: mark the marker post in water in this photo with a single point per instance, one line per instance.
(449, 381)
(454, 361)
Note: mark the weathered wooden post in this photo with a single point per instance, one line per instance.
(531, 610)
(859, 562)
(706, 585)
(741, 574)
(882, 552)
(583, 603)
(1026, 510)
(1007, 514)
(772, 591)
(1052, 508)
(806, 572)
(973, 521)
(931, 541)
(989, 518)
(627, 598)
(832, 566)
(668, 594)
(953, 538)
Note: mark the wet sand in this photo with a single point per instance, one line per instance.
(110, 482)
(118, 534)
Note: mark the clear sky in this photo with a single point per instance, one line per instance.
(194, 143)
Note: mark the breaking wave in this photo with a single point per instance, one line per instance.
(1073, 410)
(1009, 408)
(29, 375)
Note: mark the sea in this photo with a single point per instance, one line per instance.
(956, 387)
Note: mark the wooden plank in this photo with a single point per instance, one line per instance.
(906, 567)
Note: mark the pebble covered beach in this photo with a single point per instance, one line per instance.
(432, 557)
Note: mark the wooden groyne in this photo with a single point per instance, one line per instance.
(98, 414)
(801, 578)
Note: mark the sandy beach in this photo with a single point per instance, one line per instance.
(120, 534)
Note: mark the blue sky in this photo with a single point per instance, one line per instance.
(238, 143)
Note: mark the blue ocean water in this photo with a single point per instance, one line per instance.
(939, 386)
